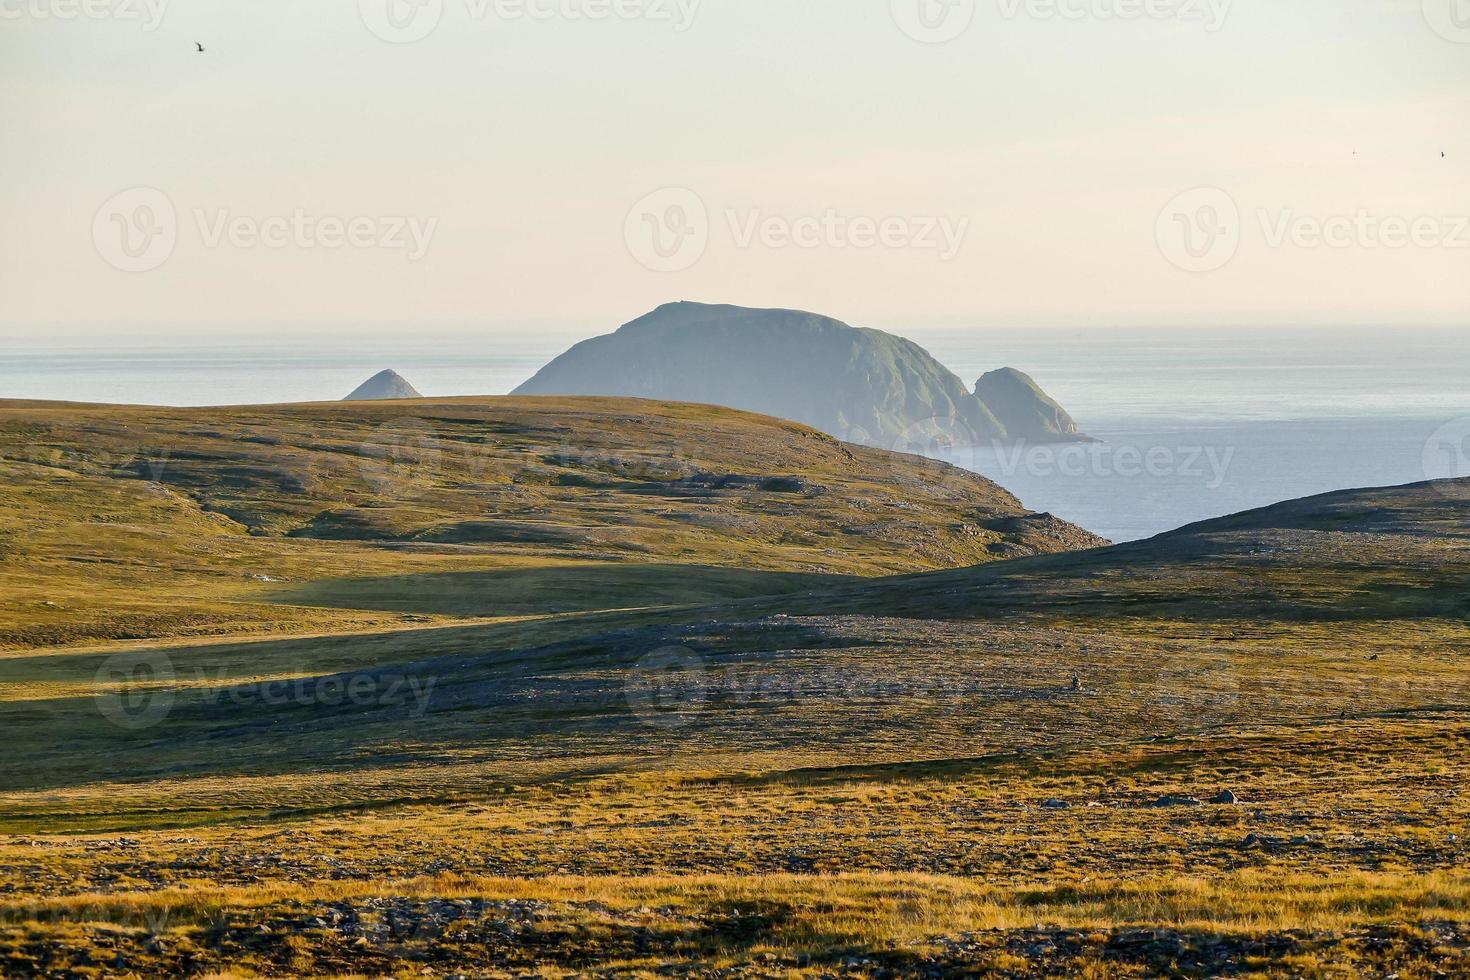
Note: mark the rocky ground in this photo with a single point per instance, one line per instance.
(469, 938)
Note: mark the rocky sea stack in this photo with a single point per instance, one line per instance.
(860, 385)
(1024, 409)
(383, 386)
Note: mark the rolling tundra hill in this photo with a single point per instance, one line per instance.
(861, 385)
(1396, 553)
(1260, 619)
(124, 523)
(1235, 749)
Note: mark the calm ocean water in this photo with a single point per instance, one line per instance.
(1194, 423)
(1199, 424)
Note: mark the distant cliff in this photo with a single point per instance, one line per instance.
(860, 385)
(383, 386)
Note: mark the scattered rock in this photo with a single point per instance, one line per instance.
(1056, 804)
(1265, 840)
(1173, 800)
(1225, 798)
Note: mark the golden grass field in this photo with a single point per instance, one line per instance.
(510, 687)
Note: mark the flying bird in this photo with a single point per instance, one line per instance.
(199, 46)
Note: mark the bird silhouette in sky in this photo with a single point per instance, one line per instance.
(199, 46)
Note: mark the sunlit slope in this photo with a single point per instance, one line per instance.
(121, 522)
(1211, 629)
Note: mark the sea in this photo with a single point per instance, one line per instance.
(1190, 423)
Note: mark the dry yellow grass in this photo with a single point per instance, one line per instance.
(859, 909)
(844, 774)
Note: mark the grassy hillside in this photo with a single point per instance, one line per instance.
(1218, 625)
(1363, 556)
(136, 523)
(1003, 770)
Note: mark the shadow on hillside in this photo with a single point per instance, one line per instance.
(1281, 578)
(550, 589)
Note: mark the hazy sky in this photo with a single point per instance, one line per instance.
(823, 154)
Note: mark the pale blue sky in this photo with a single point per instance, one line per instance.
(520, 146)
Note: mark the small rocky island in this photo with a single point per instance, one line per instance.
(857, 384)
(1026, 411)
(383, 386)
